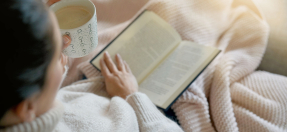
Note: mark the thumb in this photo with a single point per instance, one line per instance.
(66, 41)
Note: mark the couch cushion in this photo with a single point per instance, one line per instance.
(275, 57)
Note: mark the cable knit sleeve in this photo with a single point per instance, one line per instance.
(150, 119)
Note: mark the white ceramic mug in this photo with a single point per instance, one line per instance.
(85, 37)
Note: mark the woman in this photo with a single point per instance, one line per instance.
(34, 71)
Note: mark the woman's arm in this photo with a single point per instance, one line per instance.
(150, 119)
(121, 82)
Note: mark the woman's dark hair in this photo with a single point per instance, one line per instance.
(26, 34)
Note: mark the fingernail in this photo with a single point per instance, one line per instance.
(107, 53)
(119, 55)
(66, 40)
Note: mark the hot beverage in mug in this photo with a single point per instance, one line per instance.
(72, 17)
(78, 19)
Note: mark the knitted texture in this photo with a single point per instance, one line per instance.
(43, 123)
(88, 108)
(260, 103)
(228, 95)
(148, 116)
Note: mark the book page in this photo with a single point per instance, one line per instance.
(174, 74)
(144, 44)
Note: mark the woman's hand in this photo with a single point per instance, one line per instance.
(119, 79)
(66, 41)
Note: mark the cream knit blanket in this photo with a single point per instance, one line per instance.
(228, 95)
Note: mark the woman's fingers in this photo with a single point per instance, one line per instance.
(66, 41)
(104, 69)
(109, 62)
(111, 67)
(128, 69)
(120, 63)
(64, 59)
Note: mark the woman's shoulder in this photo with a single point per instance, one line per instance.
(94, 87)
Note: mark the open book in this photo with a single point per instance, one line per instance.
(163, 64)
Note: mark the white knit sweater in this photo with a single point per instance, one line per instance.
(87, 108)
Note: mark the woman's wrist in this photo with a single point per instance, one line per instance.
(132, 94)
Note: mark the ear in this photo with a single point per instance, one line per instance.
(26, 110)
